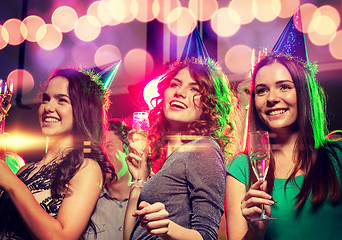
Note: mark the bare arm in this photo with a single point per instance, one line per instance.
(75, 210)
(133, 157)
(241, 207)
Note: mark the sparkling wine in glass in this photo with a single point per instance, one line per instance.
(259, 156)
(139, 137)
(6, 90)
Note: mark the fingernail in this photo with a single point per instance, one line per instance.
(268, 196)
(270, 202)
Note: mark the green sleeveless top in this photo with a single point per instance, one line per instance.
(308, 223)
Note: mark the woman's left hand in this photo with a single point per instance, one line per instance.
(154, 218)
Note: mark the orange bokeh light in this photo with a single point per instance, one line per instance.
(266, 10)
(4, 37)
(325, 20)
(52, 37)
(335, 46)
(225, 22)
(87, 28)
(17, 32)
(102, 11)
(320, 39)
(64, 18)
(130, 10)
(244, 9)
(181, 21)
(238, 59)
(162, 8)
(288, 8)
(138, 63)
(306, 10)
(107, 54)
(21, 78)
(143, 8)
(203, 9)
(32, 23)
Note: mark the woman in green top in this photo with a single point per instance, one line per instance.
(304, 178)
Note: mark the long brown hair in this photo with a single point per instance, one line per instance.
(319, 170)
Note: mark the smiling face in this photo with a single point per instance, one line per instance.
(55, 111)
(182, 103)
(275, 97)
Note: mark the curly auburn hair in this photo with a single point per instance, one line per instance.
(219, 104)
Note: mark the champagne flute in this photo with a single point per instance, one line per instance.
(259, 156)
(6, 89)
(139, 137)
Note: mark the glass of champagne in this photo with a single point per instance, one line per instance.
(6, 89)
(259, 156)
(139, 137)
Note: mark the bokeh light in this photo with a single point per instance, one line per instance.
(64, 18)
(52, 37)
(244, 9)
(203, 9)
(238, 59)
(225, 22)
(33, 23)
(138, 63)
(266, 10)
(4, 37)
(130, 10)
(143, 8)
(102, 11)
(288, 8)
(151, 91)
(320, 39)
(335, 46)
(17, 32)
(107, 54)
(307, 10)
(325, 20)
(88, 28)
(181, 21)
(162, 8)
(19, 141)
(117, 12)
(21, 79)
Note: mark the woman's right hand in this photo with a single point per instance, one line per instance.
(136, 154)
(251, 205)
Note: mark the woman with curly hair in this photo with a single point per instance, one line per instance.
(55, 197)
(190, 135)
(303, 182)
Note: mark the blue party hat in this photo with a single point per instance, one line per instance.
(108, 73)
(194, 47)
(292, 41)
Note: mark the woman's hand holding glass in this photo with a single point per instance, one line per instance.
(259, 157)
(137, 158)
(138, 148)
(251, 205)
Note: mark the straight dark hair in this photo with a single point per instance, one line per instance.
(319, 170)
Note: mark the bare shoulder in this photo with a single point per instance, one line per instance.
(90, 166)
(89, 174)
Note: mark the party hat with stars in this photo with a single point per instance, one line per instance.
(194, 47)
(292, 41)
(107, 72)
